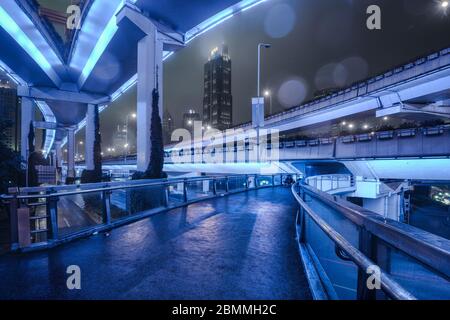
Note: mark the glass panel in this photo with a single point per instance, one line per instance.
(236, 183)
(264, 181)
(175, 194)
(199, 189)
(251, 182)
(278, 180)
(138, 200)
(221, 186)
(80, 211)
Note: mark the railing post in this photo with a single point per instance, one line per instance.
(246, 182)
(166, 196)
(214, 187)
(273, 180)
(366, 246)
(227, 186)
(185, 190)
(13, 206)
(52, 213)
(106, 210)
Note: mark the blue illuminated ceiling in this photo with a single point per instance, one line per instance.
(26, 49)
(103, 54)
(183, 15)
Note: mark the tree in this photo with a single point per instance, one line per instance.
(92, 176)
(11, 172)
(155, 167)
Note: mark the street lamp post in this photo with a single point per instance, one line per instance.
(133, 115)
(267, 46)
(260, 45)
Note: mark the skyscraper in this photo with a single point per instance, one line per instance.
(189, 118)
(217, 99)
(9, 111)
(167, 126)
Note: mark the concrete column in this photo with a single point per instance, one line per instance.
(150, 53)
(71, 153)
(58, 154)
(27, 115)
(90, 137)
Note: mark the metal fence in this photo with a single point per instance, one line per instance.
(46, 216)
(343, 246)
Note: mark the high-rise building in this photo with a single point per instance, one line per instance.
(120, 138)
(9, 111)
(189, 118)
(167, 126)
(217, 99)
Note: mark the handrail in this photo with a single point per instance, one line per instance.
(390, 286)
(432, 250)
(23, 204)
(164, 182)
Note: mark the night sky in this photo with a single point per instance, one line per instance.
(316, 44)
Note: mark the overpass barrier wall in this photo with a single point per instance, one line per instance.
(43, 217)
(344, 247)
(400, 143)
(414, 70)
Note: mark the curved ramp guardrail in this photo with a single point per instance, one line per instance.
(47, 216)
(344, 247)
(332, 183)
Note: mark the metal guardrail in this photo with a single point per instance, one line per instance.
(367, 239)
(40, 217)
(416, 69)
(332, 183)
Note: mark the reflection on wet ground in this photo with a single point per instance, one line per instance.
(236, 247)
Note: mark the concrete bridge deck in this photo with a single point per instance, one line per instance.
(240, 246)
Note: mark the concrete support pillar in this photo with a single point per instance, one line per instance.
(150, 67)
(27, 115)
(58, 154)
(71, 153)
(90, 137)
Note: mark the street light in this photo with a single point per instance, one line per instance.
(267, 46)
(133, 115)
(260, 45)
(444, 4)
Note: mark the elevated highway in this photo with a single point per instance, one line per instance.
(405, 154)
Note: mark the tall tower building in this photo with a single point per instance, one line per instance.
(189, 118)
(9, 111)
(217, 99)
(167, 126)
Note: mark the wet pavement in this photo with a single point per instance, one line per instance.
(237, 247)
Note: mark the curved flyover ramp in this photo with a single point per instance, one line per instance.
(240, 246)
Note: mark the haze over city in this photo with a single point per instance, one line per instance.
(315, 45)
